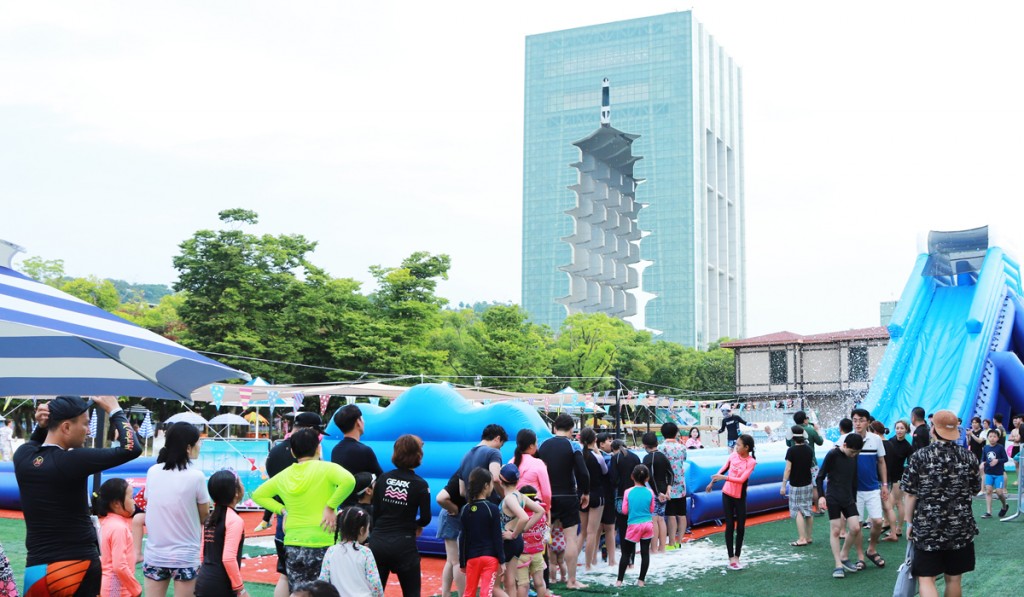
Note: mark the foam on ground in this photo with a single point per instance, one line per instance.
(688, 562)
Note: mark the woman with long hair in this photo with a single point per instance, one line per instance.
(897, 451)
(590, 518)
(736, 473)
(177, 506)
(532, 470)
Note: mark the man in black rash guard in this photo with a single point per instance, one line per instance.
(731, 423)
(53, 470)
(353, 455)
(567, 470)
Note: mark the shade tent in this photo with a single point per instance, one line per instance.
(229, 419)
(187, 417)
(52, 343)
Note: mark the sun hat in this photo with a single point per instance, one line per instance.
(946, 425)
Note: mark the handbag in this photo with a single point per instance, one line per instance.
(906, 584)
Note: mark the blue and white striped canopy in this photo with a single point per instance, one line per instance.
(52, 343)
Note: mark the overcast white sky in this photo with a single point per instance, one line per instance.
(379, 129)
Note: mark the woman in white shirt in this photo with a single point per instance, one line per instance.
(177, 506)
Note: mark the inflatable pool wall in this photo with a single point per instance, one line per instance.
(449, 426)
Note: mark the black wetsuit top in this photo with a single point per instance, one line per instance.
(565, 467)
(397, 498)
(841, 472)
(53, 483)
(355, 457)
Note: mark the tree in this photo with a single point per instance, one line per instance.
(408, 312)
(94, 291)
(503, 343)
(162, 318)
(47, 271)
(588, 345)
(242, 290)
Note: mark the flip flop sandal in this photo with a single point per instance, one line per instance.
(876, 559)
(849, 566)
(861, 565)
(839, 573)
(798, 544)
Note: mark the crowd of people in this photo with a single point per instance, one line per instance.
(344, 525)
(923, 477)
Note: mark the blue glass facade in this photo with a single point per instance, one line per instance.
(677, 90)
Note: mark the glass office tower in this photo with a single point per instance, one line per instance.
(678, 96)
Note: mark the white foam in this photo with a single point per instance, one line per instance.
(688, 562)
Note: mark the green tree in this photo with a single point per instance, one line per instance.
(503, 343)
(94, 291)
(47, 271)
(407, 312)
(588, 346)
(162, 318)
(243, 291)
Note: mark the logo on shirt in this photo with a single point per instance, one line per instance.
(37, 461)
(397, 490)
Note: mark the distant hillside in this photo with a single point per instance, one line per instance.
(150, 293)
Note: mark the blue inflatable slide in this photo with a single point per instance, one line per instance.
(957, 335)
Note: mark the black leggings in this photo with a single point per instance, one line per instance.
(735, 512)
(398, 554)
(628, 550)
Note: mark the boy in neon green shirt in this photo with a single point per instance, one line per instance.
(310, 492)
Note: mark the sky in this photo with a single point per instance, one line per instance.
(380, 129)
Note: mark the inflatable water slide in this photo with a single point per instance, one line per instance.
(957, 335)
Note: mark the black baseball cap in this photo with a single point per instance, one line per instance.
(312, 420)
(63, 408)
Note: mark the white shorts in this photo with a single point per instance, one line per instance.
(869, 504)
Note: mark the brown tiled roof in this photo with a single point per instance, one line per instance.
(780, 338)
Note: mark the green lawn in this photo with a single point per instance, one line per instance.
(773, 567)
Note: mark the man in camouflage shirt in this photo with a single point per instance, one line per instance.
(939, 482)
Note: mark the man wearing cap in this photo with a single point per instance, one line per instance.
(731, 423)
(939, 482)
(280, 458)
(53, 469)
(351, 454)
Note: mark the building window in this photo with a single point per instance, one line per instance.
(858, 363)
(777, 360)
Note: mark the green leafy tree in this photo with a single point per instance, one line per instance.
(162, 318)
(503, 343)
(242, 293)
(94, 291)
(407, 312)
(588, 346)
(47, 271)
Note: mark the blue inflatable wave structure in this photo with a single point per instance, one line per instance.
(449, 426)
(10, 499)
(762, 488)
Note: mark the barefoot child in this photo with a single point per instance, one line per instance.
(349, 565)
(735, 473)
(481, 552)
(638, 506)
(993, 458)
(114, 506)
(556, 553)
(531, 563)
(223, 536)
(514, 520)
